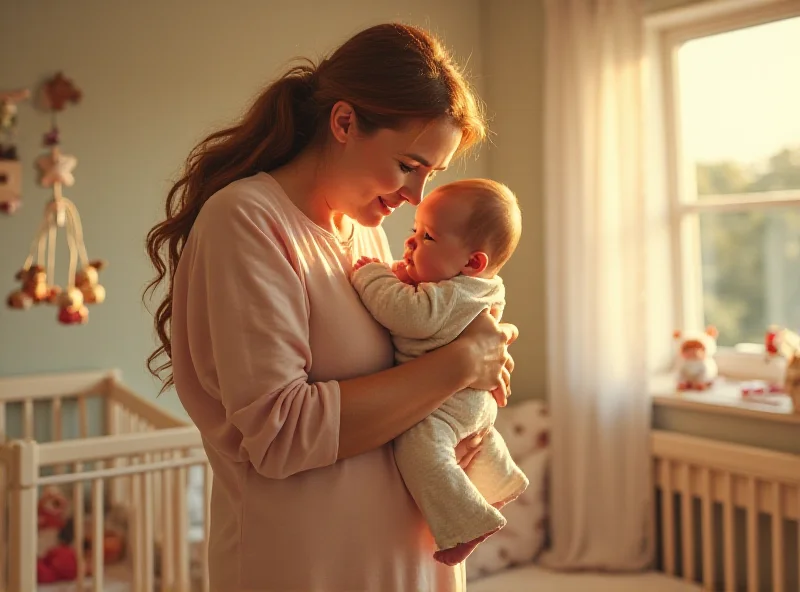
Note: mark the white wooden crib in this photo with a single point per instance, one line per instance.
(727, 520)
(104, 447)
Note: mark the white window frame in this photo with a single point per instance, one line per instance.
(665, 33)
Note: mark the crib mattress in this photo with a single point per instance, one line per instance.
(533, 578)
(116, 578)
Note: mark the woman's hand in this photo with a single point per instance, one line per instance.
(491, 363)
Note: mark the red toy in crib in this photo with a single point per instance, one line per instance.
(59, 563)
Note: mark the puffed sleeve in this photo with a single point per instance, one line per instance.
(247, 327)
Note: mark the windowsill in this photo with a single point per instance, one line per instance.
(724, 398)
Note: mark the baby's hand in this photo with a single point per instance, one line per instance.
(399, 269)
(364, 261)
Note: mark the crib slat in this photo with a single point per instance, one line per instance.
(110, 429)
(208, 482)
(181, 530)
(167, 535)
(110, 413)
(124, 421)
(120, 492)
(707, 533)
(729, 534)
(83, 417)
(668, 526)
(147, 493)
(137, 562)
(28, 419)
(158, 517)
(3, 427)
(134, 514)
(778, 583)
(687, 524)
(79, 521)
(798, 533)
(98, 535)
(57, 427)
(752, 536)
(3, 500)
(55, 419)
(22, 517)
(4, 535)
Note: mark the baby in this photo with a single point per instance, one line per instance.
(464, 233)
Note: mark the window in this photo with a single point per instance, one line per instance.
(730, 92)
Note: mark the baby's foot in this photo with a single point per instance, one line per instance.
(457, 554)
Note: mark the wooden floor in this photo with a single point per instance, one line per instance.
(537, 579)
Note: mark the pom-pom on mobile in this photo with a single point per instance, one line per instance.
(38, 272)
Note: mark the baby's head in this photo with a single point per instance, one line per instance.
(468, 227)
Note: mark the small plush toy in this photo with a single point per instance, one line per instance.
(19, 299)
(52, 512)
(697, 369)
(86, 280)
(34, 288)
(60, 564)
(783, 343)
(791, 381)
(56, 560)
(72, 311)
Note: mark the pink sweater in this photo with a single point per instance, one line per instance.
(265, 322)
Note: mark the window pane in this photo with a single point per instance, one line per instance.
(740, 109)
(751, 272)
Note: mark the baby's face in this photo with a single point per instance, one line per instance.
(436, 251)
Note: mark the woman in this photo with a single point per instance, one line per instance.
(285, 373)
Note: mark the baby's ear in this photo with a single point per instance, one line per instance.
(477, 264)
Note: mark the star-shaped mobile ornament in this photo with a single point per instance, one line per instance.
(37, 274)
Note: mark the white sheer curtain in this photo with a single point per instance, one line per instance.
(595, 239)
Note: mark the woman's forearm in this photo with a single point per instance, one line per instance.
(377, 408)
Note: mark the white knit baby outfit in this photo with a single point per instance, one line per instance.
(458, 506)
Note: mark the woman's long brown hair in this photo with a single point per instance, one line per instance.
(390, 74)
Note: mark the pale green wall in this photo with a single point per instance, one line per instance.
(156, 76)
(514, 57)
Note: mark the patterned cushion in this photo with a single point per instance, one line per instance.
(525, 428)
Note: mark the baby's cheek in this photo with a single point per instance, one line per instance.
(442, 267)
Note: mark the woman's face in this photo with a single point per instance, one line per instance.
(372, 175)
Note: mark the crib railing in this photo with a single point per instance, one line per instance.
(137, 461)
(166, 455)
(123, 411)
(716, 502)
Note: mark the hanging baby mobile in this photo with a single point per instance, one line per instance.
(38, 273)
